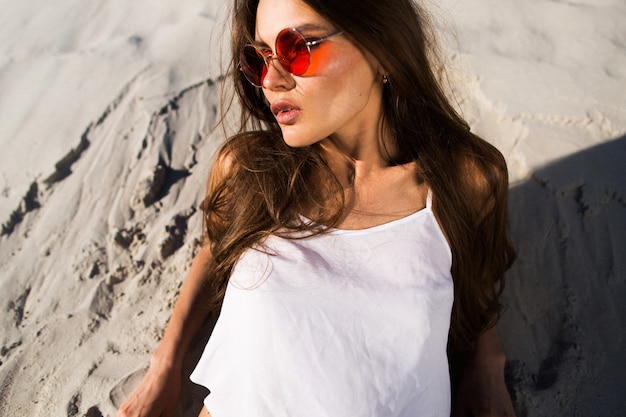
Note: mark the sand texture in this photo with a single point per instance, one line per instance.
(107, 125)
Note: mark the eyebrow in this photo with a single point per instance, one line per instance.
(312, 27)
(307, 27)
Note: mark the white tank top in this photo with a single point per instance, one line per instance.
(351, 323)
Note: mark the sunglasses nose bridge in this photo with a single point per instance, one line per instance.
(270, 58)
(281, 73)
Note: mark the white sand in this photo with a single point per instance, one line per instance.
(105, 127)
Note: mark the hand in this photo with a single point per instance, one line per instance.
(156, 395)
(482, 391)
(158, 392)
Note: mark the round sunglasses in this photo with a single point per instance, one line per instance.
(293, 51)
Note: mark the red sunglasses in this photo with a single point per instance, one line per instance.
(293, 51)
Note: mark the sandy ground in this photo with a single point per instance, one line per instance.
(107, 117)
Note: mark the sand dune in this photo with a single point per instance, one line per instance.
(108, 114)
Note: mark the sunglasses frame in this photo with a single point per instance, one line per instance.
(268, 57)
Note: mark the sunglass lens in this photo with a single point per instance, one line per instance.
(292, 51)
(253, 65)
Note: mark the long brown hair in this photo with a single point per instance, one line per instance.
(259, 185)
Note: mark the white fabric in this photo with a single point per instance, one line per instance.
(345, 324)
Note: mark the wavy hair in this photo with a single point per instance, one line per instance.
(259, 185)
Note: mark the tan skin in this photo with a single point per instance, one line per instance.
(157, 394)
(376, 194)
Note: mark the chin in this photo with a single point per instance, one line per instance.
(298, 140)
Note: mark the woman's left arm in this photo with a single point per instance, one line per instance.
(482, 391)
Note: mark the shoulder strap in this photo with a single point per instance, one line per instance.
(429, 198)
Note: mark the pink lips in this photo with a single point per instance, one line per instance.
(285, 112)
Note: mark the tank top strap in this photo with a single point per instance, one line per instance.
(429, 198)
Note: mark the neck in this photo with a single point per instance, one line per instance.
(374, 191)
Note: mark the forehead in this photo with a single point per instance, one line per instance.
(275, 15)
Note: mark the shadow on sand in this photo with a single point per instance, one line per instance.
(564, 326)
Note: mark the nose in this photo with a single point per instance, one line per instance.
(277, 77)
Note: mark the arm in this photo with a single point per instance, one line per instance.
(482, 391)
(157, 393)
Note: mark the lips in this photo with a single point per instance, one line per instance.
(285, 112)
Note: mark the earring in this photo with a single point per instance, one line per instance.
(385, 79)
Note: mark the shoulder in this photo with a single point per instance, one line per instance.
(252, 174)
(256, 151)
(241, 154)
(484, 175)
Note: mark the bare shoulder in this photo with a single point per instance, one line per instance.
(485, 178)
(240, 152)
(204, 413)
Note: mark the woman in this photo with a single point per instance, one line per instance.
(350, 225)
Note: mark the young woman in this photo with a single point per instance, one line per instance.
(356, 229)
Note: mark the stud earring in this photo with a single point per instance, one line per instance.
(385, 79)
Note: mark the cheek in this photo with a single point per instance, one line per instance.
(321, 58)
